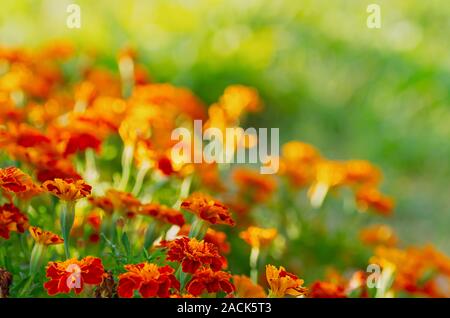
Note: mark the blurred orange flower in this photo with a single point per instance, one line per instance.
(284, 283)
(258, 237)
(207, 280)
(68, 189)
(255, 186)
(245, 288)
(73, 274)
(378, 234)
(11, 220)
(14, 180)
(149, 279)
(162, 213)
(192, 254)
(371, 198)
(44, 237)
(208, 209)
(327, 290)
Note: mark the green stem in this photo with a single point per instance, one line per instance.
(140, 178)
(254, 255)
(66, 219)
(127, 160)
(150, 234)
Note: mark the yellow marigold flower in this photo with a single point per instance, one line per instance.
(238, 98)
(379, 234)
(284, 283)
(68, 189)
(258, 237)
(44, 237)
(245, 288)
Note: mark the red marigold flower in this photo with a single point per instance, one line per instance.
(68, 189)
(208, 209)
(327, 290)
(163, 213)
(15, 180)
(73, 274)
(210, 281)
(192, 254)
(11, 220)
(44, 237)
(79, 142)
(149, 279)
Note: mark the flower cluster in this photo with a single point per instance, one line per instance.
(90, 187)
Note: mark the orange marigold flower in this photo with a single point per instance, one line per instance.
(378, 234)
(192, 254)
(44, 237)
(245, 288)
(218, 238)
(124, 202)
(15, 180)
(362, 172)
(73, 274)
(208, 209)
(298, 162)
(258, 237)
(256, 186)
(284, 283)
(163, 213)
(11, 220)
(68, 189)
(210, 281)
(149, 279)
(371, 198)
(103, 203)
(327, 290)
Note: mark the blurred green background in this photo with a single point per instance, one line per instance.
(354, 92)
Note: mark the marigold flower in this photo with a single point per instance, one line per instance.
(208, 209)
(73, 274)
(11, 220)
(371, 198)
(412, 267)
(44, 237)
(103, 203)
(362, 172)
(284, 283)
(162, 213)
(245, 288)
(68, 189)
(378, 234)
(218, 238)
(15, 180)
(149, 279)
(254, 185)
(298, 162)
(192, 254)
(124, 202)
(327, 290)
(207, 280)
(258, 237)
